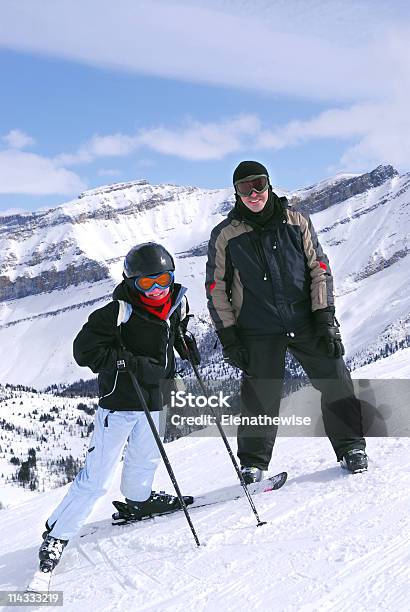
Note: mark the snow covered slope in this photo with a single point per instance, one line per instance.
(57, 265)
(367, 240)
(59, 428)
(333, 541)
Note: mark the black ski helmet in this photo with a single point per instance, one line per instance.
(147, 259)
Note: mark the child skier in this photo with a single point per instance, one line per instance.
(138, 327)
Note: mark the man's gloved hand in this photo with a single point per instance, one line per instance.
(327, 329)
(192, 354)
(232, 348)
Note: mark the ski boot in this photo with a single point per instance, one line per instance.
(156, 504)
(50, 552)
(251, 474)
(354, 460)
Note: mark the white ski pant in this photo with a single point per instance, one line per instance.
(111, 431)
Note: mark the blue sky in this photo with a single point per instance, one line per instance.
(97, 92)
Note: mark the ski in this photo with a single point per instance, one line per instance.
(272, 483)
(39, 583)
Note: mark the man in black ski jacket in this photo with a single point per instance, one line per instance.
(270, 289)
(136, 332)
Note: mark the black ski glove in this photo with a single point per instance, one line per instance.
(232, 348)
(192, 354)
(327, 329)
(147, 369)
(106, 361)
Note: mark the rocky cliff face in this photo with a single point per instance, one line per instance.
(51, 279)
(55, 261)
(111, 188)
(314, 199)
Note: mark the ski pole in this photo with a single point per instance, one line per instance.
(163, 453)
(221, 431)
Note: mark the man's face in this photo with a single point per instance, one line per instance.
(255, 201)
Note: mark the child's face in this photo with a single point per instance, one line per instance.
(157, 293)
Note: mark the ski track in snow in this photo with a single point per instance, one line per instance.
(334, 541)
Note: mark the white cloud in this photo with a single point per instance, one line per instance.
(374, 133)
(389, 142)
(201, 141)
(320, 50)
(111, 145)
(353, 54)
(17, 139)
(193, 141)
(28, 173)
(334, 123)
(377, 130)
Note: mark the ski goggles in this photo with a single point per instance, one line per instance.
(258, 183)
(160, 281)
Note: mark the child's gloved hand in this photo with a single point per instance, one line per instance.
(147, 369)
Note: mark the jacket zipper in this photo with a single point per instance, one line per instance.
(279, 257)
(260, 253)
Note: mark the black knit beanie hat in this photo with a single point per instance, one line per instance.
(248, 168)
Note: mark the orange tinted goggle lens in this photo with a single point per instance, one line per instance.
(147, 282)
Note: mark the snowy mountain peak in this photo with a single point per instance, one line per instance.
(59, 264)
(112, 187)
(340, 188)
(84, 239)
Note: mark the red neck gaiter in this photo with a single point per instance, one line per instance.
(159, 308)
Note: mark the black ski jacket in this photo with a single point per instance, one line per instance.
(120, 323)
(270, 279)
